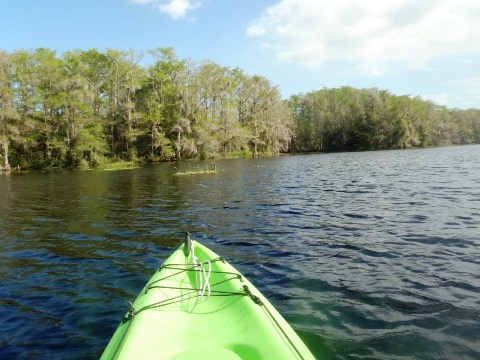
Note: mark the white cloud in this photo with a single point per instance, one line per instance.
(464, 92)
(440, 98)
(265, 45)
(372, 34)
(467, 91)
(176, 9)
(471, 83)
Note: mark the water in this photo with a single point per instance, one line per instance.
(367, 255)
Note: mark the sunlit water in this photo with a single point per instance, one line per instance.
(367, 255)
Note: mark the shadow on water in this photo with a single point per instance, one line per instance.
(368, 255)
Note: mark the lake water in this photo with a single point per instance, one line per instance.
(367, 255)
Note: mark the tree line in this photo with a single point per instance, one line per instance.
(90, 107)
(348, 119)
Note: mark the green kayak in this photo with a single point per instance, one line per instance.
(198, 306)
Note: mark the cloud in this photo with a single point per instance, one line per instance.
(467, 90)
(369, 33)
(176, 9)
(471, 83)
(464, 92)
(440, 98)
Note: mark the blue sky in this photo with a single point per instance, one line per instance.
(429, 48)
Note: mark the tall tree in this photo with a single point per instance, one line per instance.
(49, 78)
(9, 126)
(125, 79)
(268, 120)
(63, 111)
(159, 97)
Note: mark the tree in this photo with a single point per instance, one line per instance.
(49, 80)
(78, 114)
(9, 126)
(158, 101)
(125, 78)
(266, 117)
(165, 77)
(368, 119)
(85, 106)
(218, 124)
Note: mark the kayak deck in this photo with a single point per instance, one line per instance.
(198, 306)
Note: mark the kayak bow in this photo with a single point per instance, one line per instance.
(198, 306)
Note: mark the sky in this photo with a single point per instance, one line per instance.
(427, 48)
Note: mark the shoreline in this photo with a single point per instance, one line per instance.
(130, 165)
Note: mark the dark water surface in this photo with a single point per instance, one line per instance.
(367, 255)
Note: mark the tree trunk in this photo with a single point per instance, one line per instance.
(177, 148)
(255, 149)
(112, 145)
(153, 139)
(5, 154)
(5, 145)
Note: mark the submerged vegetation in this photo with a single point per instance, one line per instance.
(199, 170)
(91, 109)
(195, 172)
(119, 165)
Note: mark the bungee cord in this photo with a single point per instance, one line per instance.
(203, 285)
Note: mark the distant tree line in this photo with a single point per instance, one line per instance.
(348, 119)
(90, 107)
(87, 108)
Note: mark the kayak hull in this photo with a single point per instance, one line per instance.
(198, 306)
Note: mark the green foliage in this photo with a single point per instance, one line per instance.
(87, 109)
(118, 165)
(197, 171)
(9, 118)
(370, 119)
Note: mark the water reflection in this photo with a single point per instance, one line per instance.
(367, 254)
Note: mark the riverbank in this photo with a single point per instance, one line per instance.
(126, 165)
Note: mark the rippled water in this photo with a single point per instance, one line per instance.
(367, 255)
